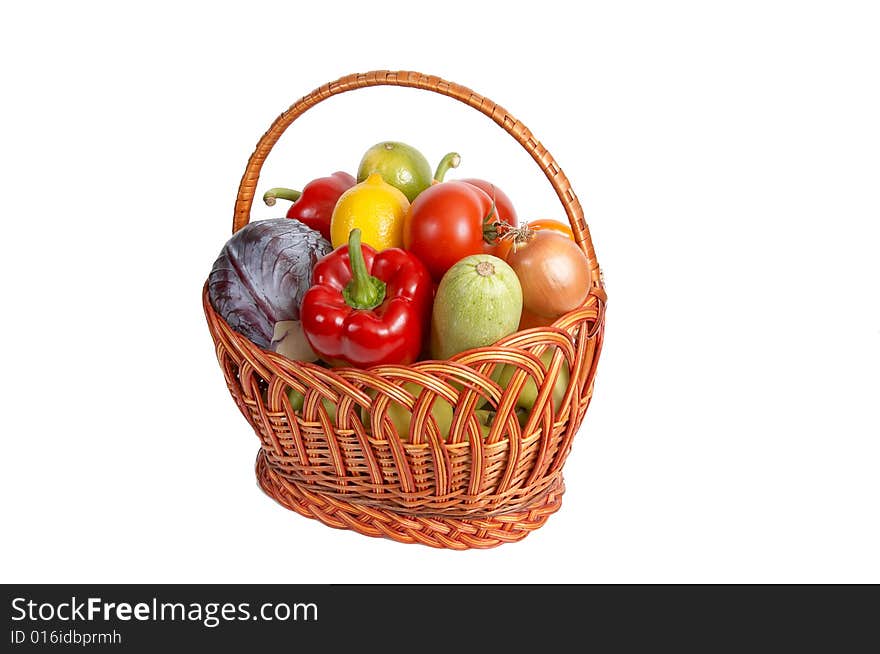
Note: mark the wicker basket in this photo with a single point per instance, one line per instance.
(463, 491)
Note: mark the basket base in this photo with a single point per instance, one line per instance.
(435, 531)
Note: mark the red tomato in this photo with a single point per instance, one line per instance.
(502, 203)
(447, 222)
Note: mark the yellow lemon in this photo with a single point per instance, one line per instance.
(374, 206)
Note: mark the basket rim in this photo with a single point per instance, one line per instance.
(270, 356)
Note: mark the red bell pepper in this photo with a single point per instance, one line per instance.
(367, 308)
(313, 206)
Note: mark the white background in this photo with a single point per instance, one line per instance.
(727, 155)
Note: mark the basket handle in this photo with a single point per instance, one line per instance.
(511, 125)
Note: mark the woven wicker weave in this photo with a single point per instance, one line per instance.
(461, 490)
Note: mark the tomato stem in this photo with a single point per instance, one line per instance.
(272, 194)
(363, 291)
(493, 230)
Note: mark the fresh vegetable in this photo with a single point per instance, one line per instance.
(313, 206)
(479, 301)
(552, 225)
(536, 225)
(367, 309)
(449, 222)
(289, 340)
(297, 401)
(553, 271)
(441, 411)
(503, 205)
(401, 417)
(399, 164)
(262, 274)
(504, 212)
(529, 393)
(485, 418)
(528, 320)
(376, 208)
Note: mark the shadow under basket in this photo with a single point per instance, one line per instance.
(340, 460)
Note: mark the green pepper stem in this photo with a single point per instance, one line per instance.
(363, 291)
(450, 160)
(272, 194)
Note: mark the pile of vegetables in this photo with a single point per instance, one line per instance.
(396, 265)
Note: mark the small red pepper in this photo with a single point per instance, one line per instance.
(366, 308)
(313, 206)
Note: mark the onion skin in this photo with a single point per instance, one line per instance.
(528, 320)
(553, 271)
(535, 225)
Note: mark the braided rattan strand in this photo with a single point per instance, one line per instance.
(353, 470)
(445, 533)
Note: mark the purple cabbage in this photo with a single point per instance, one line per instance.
(262, 273)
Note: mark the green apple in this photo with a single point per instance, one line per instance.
(297, 399)
(529, 393)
